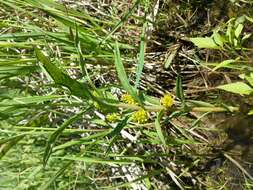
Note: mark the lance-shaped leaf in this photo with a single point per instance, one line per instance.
(179, 88)
(141, 57)
(78, 89)
(205, 42)
(123, 76)
(237, 88)
(158, 127)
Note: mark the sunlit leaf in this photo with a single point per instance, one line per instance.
(237, 88)
(206, 42)
(218, 39)
(171, 55)
(224, 64)
(238, 30)
(250, 112)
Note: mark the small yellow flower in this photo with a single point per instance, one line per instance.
(113, 117)
(167, 101)
(128, 99)
(140, 116)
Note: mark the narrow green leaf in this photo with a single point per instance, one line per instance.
(9, 139)
(81, 59)
(82, 140)
(237, 88)
(158, 127)
(5, 44)
(245, 37)
(97, 160)
(249, 18)
(52, 139)
(224, 64)
(171, 55)
(47, 184)
(175, 178)
(29, 100)
(229, 32)
(19, 62)
(79, 50)
(123, 76)
(61, 78)
(118, 127)
(200, 103)
(238, 30)
(179, 88)
(8, 145)
(141, 57)
(21, 35)
(14, 70)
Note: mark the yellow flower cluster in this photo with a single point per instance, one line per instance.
(113, 117)
(128, 99)
(167, 101)
(140, 116)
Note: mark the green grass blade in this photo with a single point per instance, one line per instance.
(29, 100)
(89, 138)
(47, 184)
(52, 139)
(13, 70)
(9, 139)
(8, 145)
(141, 57)
(119, 127)
(175, 178)
(21, 35)
(96, 160)
(81, 60)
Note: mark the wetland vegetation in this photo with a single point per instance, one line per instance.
(132, 94)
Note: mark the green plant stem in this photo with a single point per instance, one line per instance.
(193, 109)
